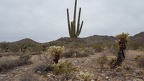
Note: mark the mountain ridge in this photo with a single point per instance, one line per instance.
(90, 39)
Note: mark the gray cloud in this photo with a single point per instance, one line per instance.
(45, 20)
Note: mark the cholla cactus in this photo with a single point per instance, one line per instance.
(111, 60)
(55, 52)
(123, 36)
(123, 39)
(119, 69)
(64, 67)
(86, 76)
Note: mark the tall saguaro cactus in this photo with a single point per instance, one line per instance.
(74, 30)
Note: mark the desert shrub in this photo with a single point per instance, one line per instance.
(45, 57)
(24, 59)
(114, 49)
(4, 45)
(98, 47)
(6, 64)
(14, 48)
(43, 68)
(36, 49)
(76, 44)
(89, 50)
(9, 63)
(106, 60)
(86, 76)
(54, 43)
(69, 53)
(82, 54)
(134, 45)
(140, 62)
(102, 60)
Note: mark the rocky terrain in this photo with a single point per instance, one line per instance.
(128, 72)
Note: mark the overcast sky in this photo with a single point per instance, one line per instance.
(46, 20)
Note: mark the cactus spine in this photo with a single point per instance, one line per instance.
(73, 31)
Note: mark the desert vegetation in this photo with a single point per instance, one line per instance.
(95, 58)
(69, 60)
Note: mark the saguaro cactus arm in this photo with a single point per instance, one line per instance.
(75, 11)
(73, 31)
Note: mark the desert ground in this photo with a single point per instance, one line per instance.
(130, 69)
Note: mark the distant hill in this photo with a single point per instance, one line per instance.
(25, 41)
(100, 39)
(90, 40)
(138, 38)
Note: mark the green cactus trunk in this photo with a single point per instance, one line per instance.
(73, 31)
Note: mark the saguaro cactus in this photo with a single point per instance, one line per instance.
(73, 31)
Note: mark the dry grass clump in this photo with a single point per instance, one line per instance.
(69, 53)
(106, 60)
(80, 52)
(98, 47)
(43, 68)
(102, 60)
(7, 63)
(140, 61)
